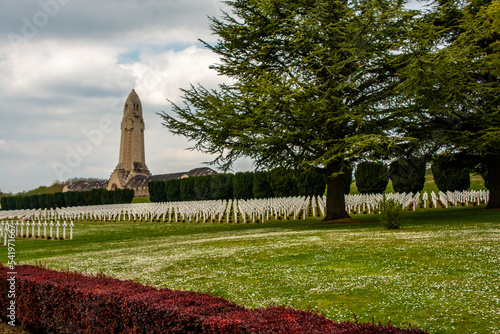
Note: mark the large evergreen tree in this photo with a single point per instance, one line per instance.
(453, 84)
(312, 83)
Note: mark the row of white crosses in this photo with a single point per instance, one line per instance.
(465, 197)
(360, 203)
(194, 211)
(252, 210)
(33, 229)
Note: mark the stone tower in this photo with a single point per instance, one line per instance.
(132, 161)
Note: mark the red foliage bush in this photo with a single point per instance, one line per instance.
(49, 301)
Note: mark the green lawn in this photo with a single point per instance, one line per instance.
(441, 272)
(141, 200)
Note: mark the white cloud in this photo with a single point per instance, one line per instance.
(76, 67)
(159, 76)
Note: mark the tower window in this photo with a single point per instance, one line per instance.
(136, 106)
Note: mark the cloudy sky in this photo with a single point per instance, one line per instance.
(67, 67)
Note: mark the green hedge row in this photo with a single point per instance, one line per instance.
(242, 185)
(450, 174)
(67, 199)
(408, 175)
(371, 177)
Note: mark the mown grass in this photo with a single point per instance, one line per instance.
(141, 200)
(440, 272)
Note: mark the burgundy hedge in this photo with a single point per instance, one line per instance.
(49, 301)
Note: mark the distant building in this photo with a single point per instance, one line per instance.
(131, 171)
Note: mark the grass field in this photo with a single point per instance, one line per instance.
(440, 272)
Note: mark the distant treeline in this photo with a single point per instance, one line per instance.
(67, 199)
(243, 185)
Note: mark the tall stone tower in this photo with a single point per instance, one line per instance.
(132, 161)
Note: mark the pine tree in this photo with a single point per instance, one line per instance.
(311, 87)
(452, 84)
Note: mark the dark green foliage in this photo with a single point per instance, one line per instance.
(371, 177)
(282, 182)
(106, 197)
(122, 196)
(87, 196)
(117, 196)
(157, 191)
(407, 175)
(42, 201)
(96, 195)
(128, 195)
(261, 187)
(347, 180)
(173, 190)
(222, 186)
(243, 185)
(310, 183)
(187, 189)
(51, 201)
(19, 202)
(391, 214)
(34, 203)
(4, 202)
(152, 192)
(486, 180)
(161, 191)
(59, 200)
(450, 174)
(457, 85)
(203, 187)
(312, 86)
(13, 203)
(80, 198)
(69, 198)
(26, 202)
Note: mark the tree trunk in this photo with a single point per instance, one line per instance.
(493, 168)
(335, 201)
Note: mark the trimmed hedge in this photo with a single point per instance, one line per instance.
(371, 177)
(283, 182)
(173, 190)
(242, 185)
(407, 175)
(450, 174)
(203, 187)
(49, 301)
(261, 187)
(157, 191)
(186, 188)
(222, 186)
(67, 199)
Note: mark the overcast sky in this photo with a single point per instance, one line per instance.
(67, 67)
